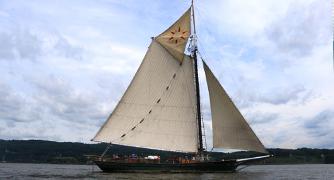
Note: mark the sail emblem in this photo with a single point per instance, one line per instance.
(178, 35)
(175, 38)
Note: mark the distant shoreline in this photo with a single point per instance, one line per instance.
(73, 153)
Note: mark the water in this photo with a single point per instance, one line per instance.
(259, 172)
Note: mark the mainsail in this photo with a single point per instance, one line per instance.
(230, 129)
(158, 110)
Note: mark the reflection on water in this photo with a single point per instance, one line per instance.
(260, 172)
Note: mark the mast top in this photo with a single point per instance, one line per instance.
(193, 36)
(193, 15)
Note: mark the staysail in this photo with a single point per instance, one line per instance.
(230, 129)
(158, 110)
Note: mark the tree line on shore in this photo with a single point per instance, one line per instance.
(40, 151)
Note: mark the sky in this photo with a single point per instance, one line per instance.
(64, 65)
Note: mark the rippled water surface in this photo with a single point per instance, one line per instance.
(259, 172)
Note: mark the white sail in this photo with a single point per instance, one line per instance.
(230, 129)
(158, 108)
(175, 38)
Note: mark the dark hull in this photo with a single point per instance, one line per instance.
(218, 166)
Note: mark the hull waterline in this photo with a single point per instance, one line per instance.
(217, 166)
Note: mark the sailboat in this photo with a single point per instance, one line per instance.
(161, 110)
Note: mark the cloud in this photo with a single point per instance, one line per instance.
(24, 44)
(303, 27)
(15, 107)
(61, 76)
(54, 105)
(277, 71)
(280, 95)
(321, 124)
(261, 117)
(20, 44)
(66, 103)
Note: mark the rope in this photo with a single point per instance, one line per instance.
(106, 150)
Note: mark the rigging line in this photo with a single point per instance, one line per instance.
(204, 134)
(204, 54)
(201, 47)
(106, 150)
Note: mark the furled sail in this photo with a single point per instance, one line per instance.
(230, 129)
(158, 108)
(175, 38)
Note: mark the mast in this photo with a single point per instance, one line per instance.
(199, 121)
(194, 55)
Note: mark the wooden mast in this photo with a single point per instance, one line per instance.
(194, 55)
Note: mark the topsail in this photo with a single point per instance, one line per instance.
(175, 38)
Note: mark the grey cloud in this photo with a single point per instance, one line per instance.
(61, 100)
(23, 44)
(275, 96)
(32, 130)
(279, 96)
(15, 107)
(262, 118)
(52, 103)
(64, 48)
(302, 28)
(320, 125)
(20, 44)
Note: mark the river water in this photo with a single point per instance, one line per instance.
(258, 172)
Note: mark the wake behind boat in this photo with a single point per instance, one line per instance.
(161, 110)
